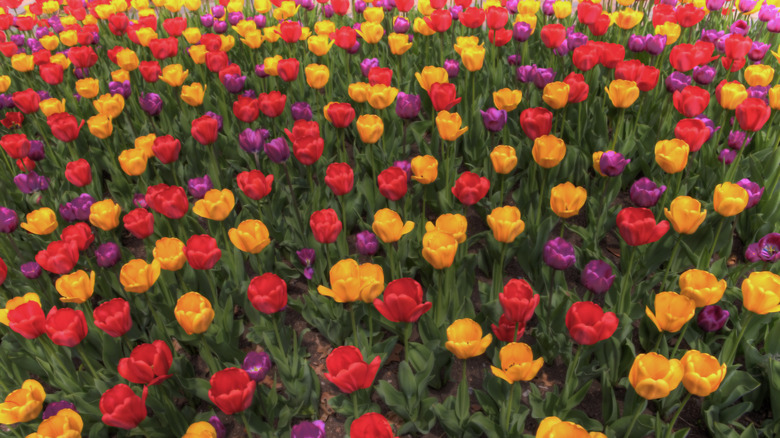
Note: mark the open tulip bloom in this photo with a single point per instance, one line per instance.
(543, 185)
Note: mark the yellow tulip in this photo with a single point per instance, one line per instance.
(464, 339)
(372, 282)
(174, 75)
(628, 18)
(562, 9)
(319, 45)
(5, 83)
(761, 292)
(374, 14)
(145, 143)
(566, 199)
(120, 75)
(654, 376)
(271, 63)
(110, 105)
(68, 37)
(774, 97)
(552, 427)
(449, 125)
(76, 287)
(556, 94)
(127, 60)
(138, 276)
(389, 227)
(358, 91)
(672, 155)
(431, 75)
(685, 214)
(702, 287)
(672, 311)
(201, 429)
(702, 373)
(729, 199)
(622, 93)
(145, 36)
(731, 95)
(506, 99)
(49, 42)
(324, 28)
(399, 43)
(505, 223)
(425, 169)
(52, 106)
(250, 236)
(671, 30)
(548, 151)
(194, 313)
(371, 32)
(439, 249)
(215, 205)
(198, 54)
(24, 404)
(421, 27)
(105, 214)
(193, 94)
(192, 35)
(22, 62)
(380, 96)
(453, 224)
(66, 423)
(759, 75)
(370, 127)
(473, 58)
(517, 363)
(504, 159)
(41, 221)
(88, 87)
(133, 161)
(169, 253)
(317, 75)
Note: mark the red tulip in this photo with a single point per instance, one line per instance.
(59, 257)
(691, 101)
(497, 17)
(553, 35)
(752, 114)
(611, 54)
(148, 364)
(340, 178)
(17, 146)
(440, 20)
(371, 425)
(27, 320)
(380, 75)
(692, 131)
(308, 150)
(268, 293)
(64, 126)
(13, 120)
(232, 390)
(175, 26)
(3, 271)
(79, 172)
(113, 317)
(508, 331)
(205, 130)
(500, 37)
(272, 104)
(402, 5)
(340, 7)
(518, 301)
(163, 48)
(737, 46)
(26, 101)
(646, 77)
(202, 252)
(683, 58)
(588, 323)
(255, 184)
(122, 408)
(470, 188)
(348, 371)
(637, 226)
(216, 61)
(79, 233)
(169, 201)
(302, 129)
(139, 222)
(246, 109)
(392, 183)
(588, 12)
(601, 26)
(586, 57)
(536, 122)
(66, 327)
(443, 96)
(166, 149)
(663, 13)
(325, 225)
(288, 69)
(345, 37)
(290, 31)
(689, 15)
(341, 114)
(150, 70)
(211, 41)
(731, 64)
(472, 17)
(82, 56)
(51, 73)
(403, 301)
(578, 88)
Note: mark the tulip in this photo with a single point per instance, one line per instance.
(464, 339)
(588, 323)
(257, 365)
(672, 155)
(122, 408)
(100, 126)
(453, 224)
(672, 311)
(24, 404)
(517, 363)
(268, 293)
(148, 364)
(645, 193)
(380, 96)
(637, 226)
(66, 327)
(169, 253)
(506, 99)
(518, 301)
(556, 94)
(622, 93)
(702, 374)
(685, 214)
(193, 94)
(470, 188)
(370, 127)
(712, 318)
(113, 317)
(548, 151)
(566, 199)
(348, 371)
(729, 199)
(42, 221)
(449, 125)
(317, 75)
(552, 427)
(439, 249)
(232, 390)
(392, 183)
(761, 292)
(79, 172)
(431, 75)
(389, 227)
(505, 223)
(424, 169)
(138, 276)
(504, 159)
(653, 376)
(215, 205)
(752, 114)
(76, 287)
(403, 301)
(194, 313)
(250, 236)
(105, 214)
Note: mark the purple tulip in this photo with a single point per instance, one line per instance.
(711, 35)
(521, 31)
(515, 59)
(597, 276)
(511, 5)
(767, 12)
(257, 365)
(367, 243)
(197, 187)
(769, 247)
(215, 422)
(773, 25)
(218, 11)
(558, 254)
(746, 6)
(754, 191)
(34, 45)
(220, 26)
(455, 12)
(645, 193)
(260, 21)
(407, 106)
(655, 44)
(56, 24)
(234, 17)
(107, 254)
(759, 92)
(301, 111)
(758, 51)
(306, 4)
(715, 5)
(6, 101)
(234, 83)
(216, 117)
(151, 103)
(563, 49)
(740, 27)
(9, 220)
(401, 25)
(354, 49)
(139, 200)
(576, 39)
(260, 71)
(36, 153)
(547, 7)
(752, 253)
(703, 74)
(17, 39)
(543, 77)
(677, 81)
(360, 6)
(494, 119)
(712, 318)
(308, 429)
(31, 182)
(327, 10)
(738, 139)
(122, 88)
(453, 68)
(406, 166)
(367, 64)
(727, 156)
(44, 94)
(277, 150)
(31, 270)
(52, 409)
(612, 163)
(306, 257)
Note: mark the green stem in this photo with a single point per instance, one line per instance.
(208, 355)
(355, 411)
(86, 360)
(498, 274)
(246, 424)
(277, 320)
(714, 242)
(571, 373)
(679, 341)
(407, 332)
(671, 261)
(677, 415)
(625, 285)
(634, 418)
(727, 357)
(616, 134)
(509, 408)
(354, 324)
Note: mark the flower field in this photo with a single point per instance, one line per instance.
(390, 219)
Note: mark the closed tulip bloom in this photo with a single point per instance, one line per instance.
(566, 199)
(174, 75)
(672, 155)
(23, 404)
(232, 390)
(110, 105)
(105, 214)
(216, 205)
(113, 317)
(518, 301)
(548, 151)
(133, 161)
(15, 302)
(759, 75)
(761, 292)
(731, 94)
(729, 199)
(202, 251)
(76, 287)
(554, 427)
(348, 371)
(389, 227)
(380, 96)
(588, 323)
(372, 282)
(622, 93)
(370, 127)
(403, 301)
(702, 373)
(41, 221)
(672, 311)
(52, 106)
(268, 293)
(504, 159)
(685, 214)
(344, 282)
(439, 249)
(506, 99)
(505, 223)
(100, 126)
(122, 408)
(325, 225)
(148, 364)
(556, 94)
(169, 253)
(702, 287)
(752, 114)
(431, 75)
(473, 57)
(425, 169)
(654, 376)
(250, 236)
(66, 423)
(399, 43)
(453, 224)
(193, 94)
(470, 188)
(449, 125)
(464, 339)
(66, 327)
(517, 363)
(194, 313)
(138, 276)
(358, 91)
(317, 75)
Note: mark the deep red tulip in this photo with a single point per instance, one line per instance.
(79, 172)
(290, 31)
(246, 109)
(497, 17)
(392, 183)
(255, 184)
(202, 252)
(588, 12)
(64, 126)
(403, 301)
(66, 327)
(536, 122)
(345, 37)
(586, 57)
(122, 408)
(113, 317)
(205, 130)
(578, 88)
(443, 96)
(175, 26)
(232, 390)
(611, 54)
(470, 188)
(440, 20)
(752, 114)
(340, 7)
(150, 70)
(348, 371)
(601, 26)
(472, 17)
(51, 73)
(689, 15)
(518, 301)
(26, 101)
(341, 114)
(637, 226)
(163, 48)
(646, 77)
(692, 131)
(288, 69)
(268, 293)
(403, 5)
(371, 425)
(27, 320)
(169, 201)
(17, 146)
(13, 120)
(308, 150)
(212, 42)
(737, 46)
(82, 56)
(553, 35)
(500, 37)
(325, 225)
(683, 57)
(380, 75)
(216, 61)
(139, 222)
(272, 104)
(340, 178)
(663, 13)
(79, 233)
(166, 149)
(588, 323)
(59, 257)
(148, 364)
(731, 64)
(691, 101)
(508, 331)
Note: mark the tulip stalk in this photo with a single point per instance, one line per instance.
(244, 420)
(207, 354)
(498, 274)
(615, 134)
(625, 284)
(727, 357)
(679, 410)
(711, 253)
(635, 417)
(675, 249)
(679, 341)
